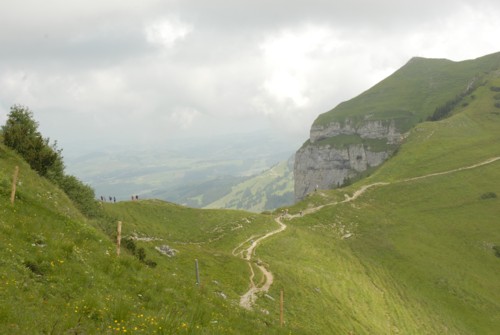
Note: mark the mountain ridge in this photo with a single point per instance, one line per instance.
(358, 135)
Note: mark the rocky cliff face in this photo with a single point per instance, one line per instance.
(366, 130)
(326, 163)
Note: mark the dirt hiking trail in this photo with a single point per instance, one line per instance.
(248, 299)
(250, 296)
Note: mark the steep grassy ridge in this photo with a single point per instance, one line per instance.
(408, 257)
(412, 93)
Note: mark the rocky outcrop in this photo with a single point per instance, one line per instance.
(324, 163)
(366, 130)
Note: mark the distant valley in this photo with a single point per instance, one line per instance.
(195, 173)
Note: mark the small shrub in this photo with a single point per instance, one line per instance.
(141, 254)
(465, 104)
(150, 263)
(129, 244)
(496, 249)
(488, 195)
(82, 195)
(35, 268)
(495, 88)
(497, 105)
(496, 96)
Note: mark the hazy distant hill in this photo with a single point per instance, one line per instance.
(268, 190)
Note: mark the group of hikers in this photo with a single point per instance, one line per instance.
(113, 199)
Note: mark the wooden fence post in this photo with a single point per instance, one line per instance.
(197, 272)
(14, 184)
(118, 238)
(281, 309)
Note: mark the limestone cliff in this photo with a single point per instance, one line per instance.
(341, 151)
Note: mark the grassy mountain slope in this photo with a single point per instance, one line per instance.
(412, 93)
(60, 273)
(409, 257)
(266, 191)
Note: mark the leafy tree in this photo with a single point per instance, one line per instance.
(21, 133)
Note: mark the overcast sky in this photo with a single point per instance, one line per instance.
(149, 71)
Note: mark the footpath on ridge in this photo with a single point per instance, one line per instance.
(248, 299)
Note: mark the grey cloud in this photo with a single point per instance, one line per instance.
(89, 65)
(266, 14)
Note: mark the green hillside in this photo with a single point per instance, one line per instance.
(411, 94)
(61, 275)
(266, 191)
(409, 256)
(412, 249)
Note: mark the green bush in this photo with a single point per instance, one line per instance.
(129, 244)
(141, 254)
(488, 195)
(150, 263)
(36, 268)
(496, 249)
(82, 195)
(495, 88)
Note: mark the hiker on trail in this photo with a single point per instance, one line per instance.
(136, 197)
(114, 200)
(133, 198)
(110, 199)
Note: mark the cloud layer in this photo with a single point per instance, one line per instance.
(152, 71)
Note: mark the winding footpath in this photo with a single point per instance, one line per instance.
(248, 299)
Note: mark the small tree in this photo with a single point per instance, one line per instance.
(21, 133)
